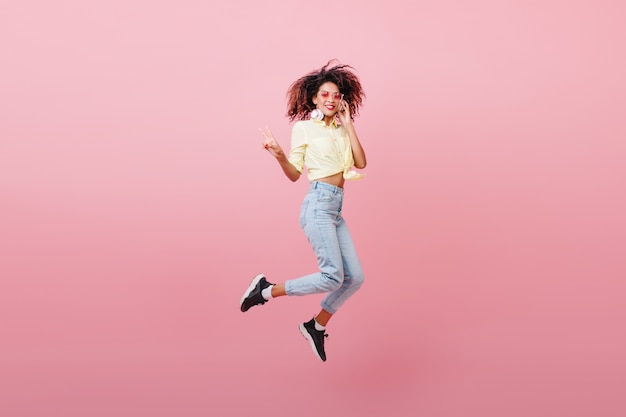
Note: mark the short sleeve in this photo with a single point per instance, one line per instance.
(298, 146)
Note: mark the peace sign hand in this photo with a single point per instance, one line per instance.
(271, 144)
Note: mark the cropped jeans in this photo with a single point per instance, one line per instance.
(340, 274)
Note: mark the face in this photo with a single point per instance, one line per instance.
(328, 98)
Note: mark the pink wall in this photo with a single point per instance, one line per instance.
(136, 203)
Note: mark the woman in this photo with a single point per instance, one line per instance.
(324, 140)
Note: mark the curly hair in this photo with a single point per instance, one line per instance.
(301, 92)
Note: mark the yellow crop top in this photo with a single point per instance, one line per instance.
(324, 150)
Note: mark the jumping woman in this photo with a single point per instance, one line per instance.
(324, 140)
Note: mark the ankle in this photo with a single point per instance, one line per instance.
(318, 326)
(266, 293)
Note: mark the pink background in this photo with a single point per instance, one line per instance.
(136, 204)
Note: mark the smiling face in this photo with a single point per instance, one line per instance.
(327, 100)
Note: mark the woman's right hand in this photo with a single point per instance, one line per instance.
(270, 143)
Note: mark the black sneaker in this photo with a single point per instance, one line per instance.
(315, 338)
(253, 296)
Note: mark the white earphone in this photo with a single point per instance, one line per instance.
(317, 115)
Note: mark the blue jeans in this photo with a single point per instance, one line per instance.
(340, 272)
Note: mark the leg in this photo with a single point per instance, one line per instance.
(319, 218)
(353, 273)
(323, 317)
(353, 279)
(278, 290)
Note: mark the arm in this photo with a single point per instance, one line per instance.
(360, 161)
(277, 152)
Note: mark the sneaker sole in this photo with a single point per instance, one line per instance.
(308, 337)
(253, 284)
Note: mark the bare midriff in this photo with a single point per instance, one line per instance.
(336, 179)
